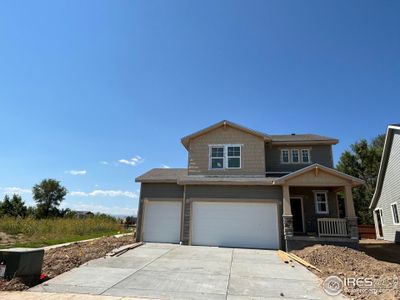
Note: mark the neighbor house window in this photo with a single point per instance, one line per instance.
(295, 156)
(225, 157)
(285, 156)
(305, 156)
(233, 157)
(395, 213)
(321, 202)
(217, 157)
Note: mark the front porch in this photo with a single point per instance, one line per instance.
(312, 211)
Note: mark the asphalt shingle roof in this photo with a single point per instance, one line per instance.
(163, 175)
(299, 137)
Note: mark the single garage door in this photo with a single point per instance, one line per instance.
(252, 225)
(162, 221)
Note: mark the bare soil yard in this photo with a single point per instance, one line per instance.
(345, 262)
(63, 259)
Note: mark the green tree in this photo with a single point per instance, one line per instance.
(6, 206)
(13, 207)
(363, 161)
(18, 206)
(48, 194)
(31, 212)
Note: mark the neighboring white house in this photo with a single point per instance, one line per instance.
(386, 200)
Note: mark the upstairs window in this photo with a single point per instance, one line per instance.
(225, 157)
(285, 156)
(295, 156)
(233, 157)
(217, 157)
(321, 202)
(305, 156)
(395, 214)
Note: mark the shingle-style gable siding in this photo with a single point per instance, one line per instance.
(391, 191)
(320, 154)
(253, 156)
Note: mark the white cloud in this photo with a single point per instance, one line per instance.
(103, 162)
(15, 190)
(105, 193)
(165, 166)
(133, 161)
(115, 210)
(76, 172)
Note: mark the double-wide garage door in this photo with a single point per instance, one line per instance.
(252, 225)
(229, 224)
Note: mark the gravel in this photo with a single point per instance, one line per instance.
(59, 260)
(346, 263)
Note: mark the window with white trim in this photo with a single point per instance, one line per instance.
(305, 156)
(217, 157)
(321, 202)
(395, 213)
(225, 157)
(233, 157)
(295, 156)
(285, 156)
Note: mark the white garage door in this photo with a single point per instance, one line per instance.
(162, 221)
(252, 225)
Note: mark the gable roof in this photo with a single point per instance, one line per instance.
(384, 162)
(186, 140)
(354, 180)
(276, 139)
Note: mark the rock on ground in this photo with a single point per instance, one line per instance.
(59, 260)
(346, 262)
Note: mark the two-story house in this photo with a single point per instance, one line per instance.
(386, 200)
(244, 188)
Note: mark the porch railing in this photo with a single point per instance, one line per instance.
(332, 227)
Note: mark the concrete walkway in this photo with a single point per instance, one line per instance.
(183, 272)
(56, 296)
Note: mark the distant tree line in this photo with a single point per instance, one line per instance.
(48, 195)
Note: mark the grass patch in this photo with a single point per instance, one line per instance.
(30, 232)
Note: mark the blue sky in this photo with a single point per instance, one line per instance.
(86, 85)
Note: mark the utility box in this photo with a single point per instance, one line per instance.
(21, 262)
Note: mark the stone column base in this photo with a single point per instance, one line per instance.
(352, 227)
(287, 225)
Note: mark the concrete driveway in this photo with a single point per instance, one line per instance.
(183, 272)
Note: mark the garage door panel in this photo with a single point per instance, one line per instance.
(235, 224)
(162, 222)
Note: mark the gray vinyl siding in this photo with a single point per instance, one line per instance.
(321, 154)
(157, 191)
(234, 192)
(161, 190)
(391, 191)
(310, 214)
(241, 193)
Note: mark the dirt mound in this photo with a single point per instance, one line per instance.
(345, 262)
(63, 259)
